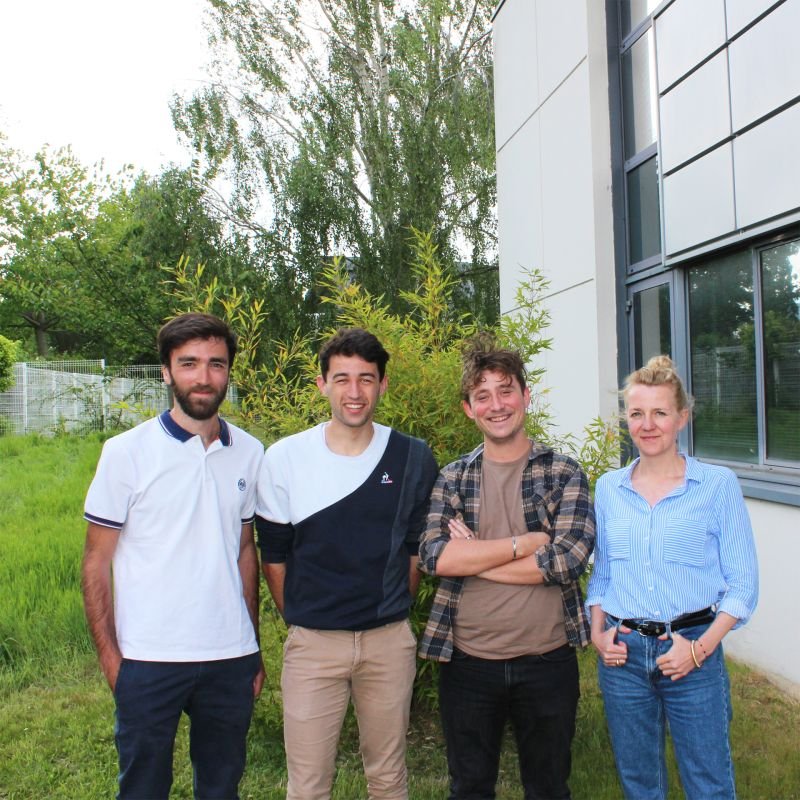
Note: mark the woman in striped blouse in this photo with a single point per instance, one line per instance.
(675, 571)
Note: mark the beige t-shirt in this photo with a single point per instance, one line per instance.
(500, 620)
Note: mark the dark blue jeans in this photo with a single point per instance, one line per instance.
(538, 694)
(151, 695)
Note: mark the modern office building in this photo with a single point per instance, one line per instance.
(648, 161)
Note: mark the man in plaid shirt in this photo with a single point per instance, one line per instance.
(510, 531)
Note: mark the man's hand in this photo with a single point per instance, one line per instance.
(258, 681)
(110, 664)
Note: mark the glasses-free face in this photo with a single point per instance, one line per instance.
(198, 373)
(498, 405)
(654, 420)
(353, 388)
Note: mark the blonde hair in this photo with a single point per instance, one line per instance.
(659, 371)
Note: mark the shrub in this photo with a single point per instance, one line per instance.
(8, 356)
(423, 399)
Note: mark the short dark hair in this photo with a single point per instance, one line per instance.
(353, 342)
(185, 327)
(482, 354)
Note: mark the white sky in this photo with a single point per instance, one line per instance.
(98, 75)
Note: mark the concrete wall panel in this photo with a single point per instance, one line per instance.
(567, 191)
(516, 81)
(519, 206)
(765, 69)
(767, 160)
(560, 40)
(742, 12)
(695, 114)
(698, 201)
(687, 32)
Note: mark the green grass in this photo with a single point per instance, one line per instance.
(56, 713)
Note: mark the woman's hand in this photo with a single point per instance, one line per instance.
(677, 662)
(612, 653)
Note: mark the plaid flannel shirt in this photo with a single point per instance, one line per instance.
(555, 499)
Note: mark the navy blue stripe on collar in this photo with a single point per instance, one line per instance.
(171, 428)
(225, 434)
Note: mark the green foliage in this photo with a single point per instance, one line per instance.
(425, 345)
(81, 255)
(8, 355)
(357, 121)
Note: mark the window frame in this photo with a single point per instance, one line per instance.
(768, 479)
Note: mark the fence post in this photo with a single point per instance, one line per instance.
(24, 397)
(104, 399)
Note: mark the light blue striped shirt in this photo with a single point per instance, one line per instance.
(694, 549)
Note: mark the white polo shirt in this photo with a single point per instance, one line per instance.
(179, 509)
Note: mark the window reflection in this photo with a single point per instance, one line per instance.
(780, 296)
(644, 218)
(721, 318)
(638, 96)
(651, 321)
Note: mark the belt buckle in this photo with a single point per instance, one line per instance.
(648, 628)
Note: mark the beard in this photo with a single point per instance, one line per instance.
(199, 408)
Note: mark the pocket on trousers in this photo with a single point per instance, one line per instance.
(410, 631)
(123, 669)
(290, 635)
(560, 655)
(618, 538)
(685, 541)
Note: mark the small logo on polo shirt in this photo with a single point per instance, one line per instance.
(386, 479)
(242, 484)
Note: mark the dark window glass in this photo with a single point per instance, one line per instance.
(644, 225)
(652, 333)
(638, 96)
(780, 298)
(722, 339)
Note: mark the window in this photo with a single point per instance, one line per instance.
(652, 331)
(744, 330)
(639, 135)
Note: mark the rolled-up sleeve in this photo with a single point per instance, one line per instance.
(444, 505)
(737, 552)
(564, 560)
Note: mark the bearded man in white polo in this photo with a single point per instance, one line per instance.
(171, 507)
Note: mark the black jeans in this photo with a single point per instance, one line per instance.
(151, 696)
(539, 694)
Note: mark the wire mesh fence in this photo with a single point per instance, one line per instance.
(83, 396)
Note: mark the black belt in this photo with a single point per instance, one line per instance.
(650, 627)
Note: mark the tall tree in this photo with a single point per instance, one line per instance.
(358, 119)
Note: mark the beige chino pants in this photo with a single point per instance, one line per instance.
(321, 671)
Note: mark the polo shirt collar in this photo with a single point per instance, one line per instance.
(171, 428)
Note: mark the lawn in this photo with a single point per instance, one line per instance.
(56, 714)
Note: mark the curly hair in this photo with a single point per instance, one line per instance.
(481, 354)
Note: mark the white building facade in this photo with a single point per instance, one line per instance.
(648, 161)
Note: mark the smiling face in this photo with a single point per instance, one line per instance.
(198, 374)
(654, 420)
(353, 387)
(498, 405)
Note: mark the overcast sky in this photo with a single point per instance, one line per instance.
(98, 75)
